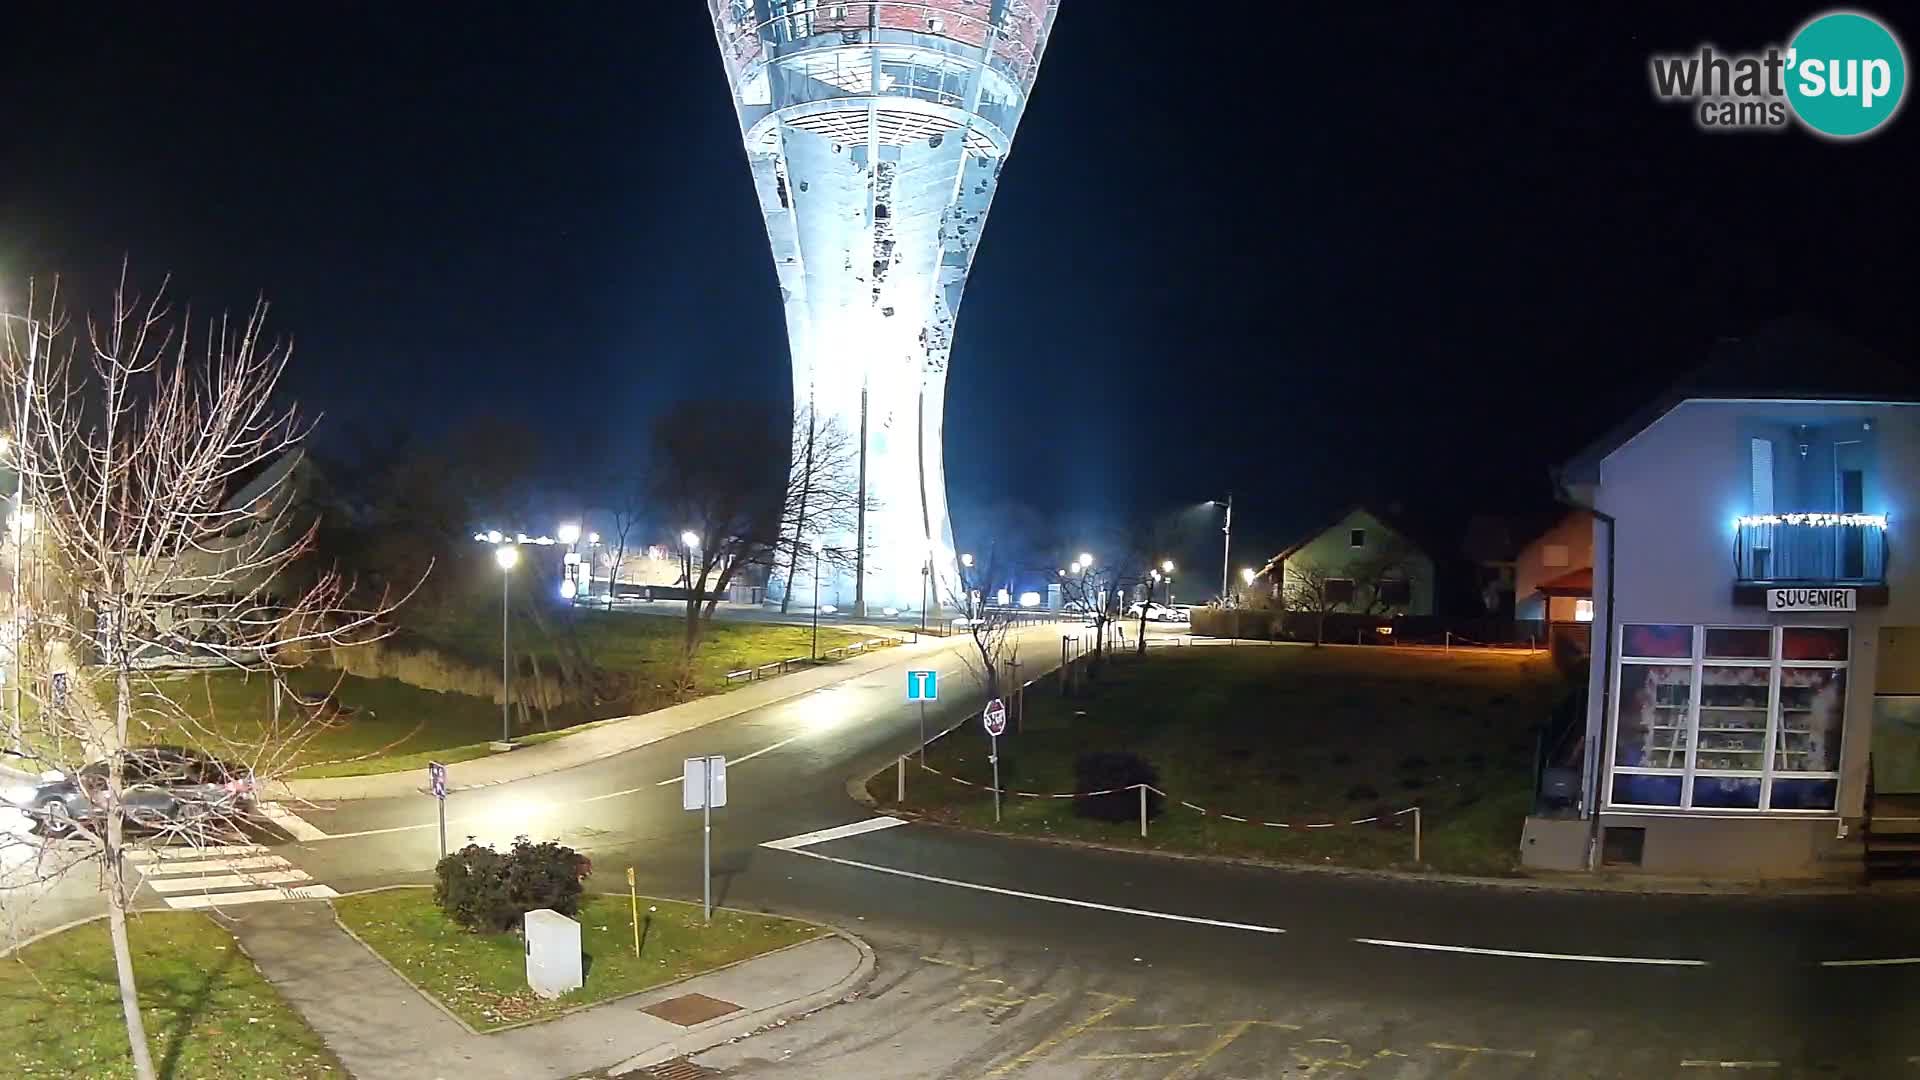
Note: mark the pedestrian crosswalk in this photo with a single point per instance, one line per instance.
(223, 875)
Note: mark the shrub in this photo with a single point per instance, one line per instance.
(1114, 771)
(470, 886)
(489, 892)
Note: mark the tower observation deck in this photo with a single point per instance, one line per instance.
(876, 131)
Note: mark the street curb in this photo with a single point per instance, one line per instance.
(291, 790)
(41, 935)
(736, 1027)
(1651, 886)
(724, 1029)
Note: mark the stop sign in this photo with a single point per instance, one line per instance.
(995, 717)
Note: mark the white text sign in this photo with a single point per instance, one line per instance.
(1810, 599)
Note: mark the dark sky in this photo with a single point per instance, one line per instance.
(1348, 250)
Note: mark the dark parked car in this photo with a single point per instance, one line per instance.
(164, 786)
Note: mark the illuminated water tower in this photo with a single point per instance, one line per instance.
(876, 132)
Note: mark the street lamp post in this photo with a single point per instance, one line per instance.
(506, 555)
(1226, 549)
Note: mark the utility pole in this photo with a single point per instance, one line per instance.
(860, 528)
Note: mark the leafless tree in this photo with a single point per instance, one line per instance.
(821, 500)
(1098, 593)
(157, 517)
(1317, 591)
(1391, 563)
(989, 626)
(711, 476)
(628, 507)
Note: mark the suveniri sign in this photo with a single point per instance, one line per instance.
(1810, 599)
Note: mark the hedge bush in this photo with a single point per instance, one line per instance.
(489, 892)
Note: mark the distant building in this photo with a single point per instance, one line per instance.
(1756, 622)
(1553, 582)
(1368, 567)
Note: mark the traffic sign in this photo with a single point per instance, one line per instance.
(437, 779)
(995, 717)
(704, 775)
(923, 686)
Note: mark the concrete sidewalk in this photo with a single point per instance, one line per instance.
(381, 1027)
(611, 737)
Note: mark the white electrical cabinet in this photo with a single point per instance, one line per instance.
(553, 953)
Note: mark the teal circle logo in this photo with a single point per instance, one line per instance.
(1846, 74)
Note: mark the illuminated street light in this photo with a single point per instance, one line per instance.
(494, 537)
(593, 538)
(569, 533)
(690, 539)
(966, 560)
(1086, 560)
(1167, 566)
(507, 556)
(1247, 574)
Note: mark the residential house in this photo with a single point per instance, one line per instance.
(1553, 582)
(1361, 564)
(1756, 620)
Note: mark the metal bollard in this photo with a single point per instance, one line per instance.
(1143, 809)
(900, 787)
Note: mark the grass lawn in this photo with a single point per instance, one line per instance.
(645, 646)
(400, 727)
(208, 1011)
(483, 977)
(1288, 733)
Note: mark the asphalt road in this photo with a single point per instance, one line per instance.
(1005, 957)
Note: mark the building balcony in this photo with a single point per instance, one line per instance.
(1811, 549)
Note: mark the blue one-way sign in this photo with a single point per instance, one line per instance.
(923, 686)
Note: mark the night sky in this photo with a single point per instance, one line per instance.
(1351, 251)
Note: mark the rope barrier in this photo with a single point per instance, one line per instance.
(1201, 810)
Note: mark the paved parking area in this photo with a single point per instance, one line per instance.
(950, 1014)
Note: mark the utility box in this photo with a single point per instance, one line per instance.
(553, 953)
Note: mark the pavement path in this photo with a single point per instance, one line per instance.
(381, 1027)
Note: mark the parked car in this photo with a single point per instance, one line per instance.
(163, 786)
(1156, 613)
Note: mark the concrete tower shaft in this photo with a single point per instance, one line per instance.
(876, 132)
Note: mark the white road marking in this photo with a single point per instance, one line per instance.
(173, 854)
(394, 829)
(1890, 962)
(296, 826)
(736, 762)
(821, 836)
(208, 866)
(227, 881)
(1042, 897)
(1429, 947)
(1729, 1064)
(256, 896)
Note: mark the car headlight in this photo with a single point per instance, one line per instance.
(19, 794)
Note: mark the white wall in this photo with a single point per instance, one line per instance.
(1674, 491)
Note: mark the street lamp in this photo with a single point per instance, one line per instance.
(1086, 560)
(1226, 547)
(507, 556)
(569, 534)
(1247, 574)
(966, 560)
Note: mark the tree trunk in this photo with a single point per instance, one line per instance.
(116, 867)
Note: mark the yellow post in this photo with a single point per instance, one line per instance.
(634, 898)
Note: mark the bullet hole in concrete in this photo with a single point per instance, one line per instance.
(803, 186)
(936, 140)
(887, 311)
(881, 212)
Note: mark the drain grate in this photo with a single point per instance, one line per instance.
(682, 1069)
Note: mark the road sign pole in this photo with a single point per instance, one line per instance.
(633, 898)
(900, 789)
(993, 755)
(706, 844)
(1143, 810)
(923, 731)
(443, 827)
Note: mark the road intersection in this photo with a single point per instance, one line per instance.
(1002, 957)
